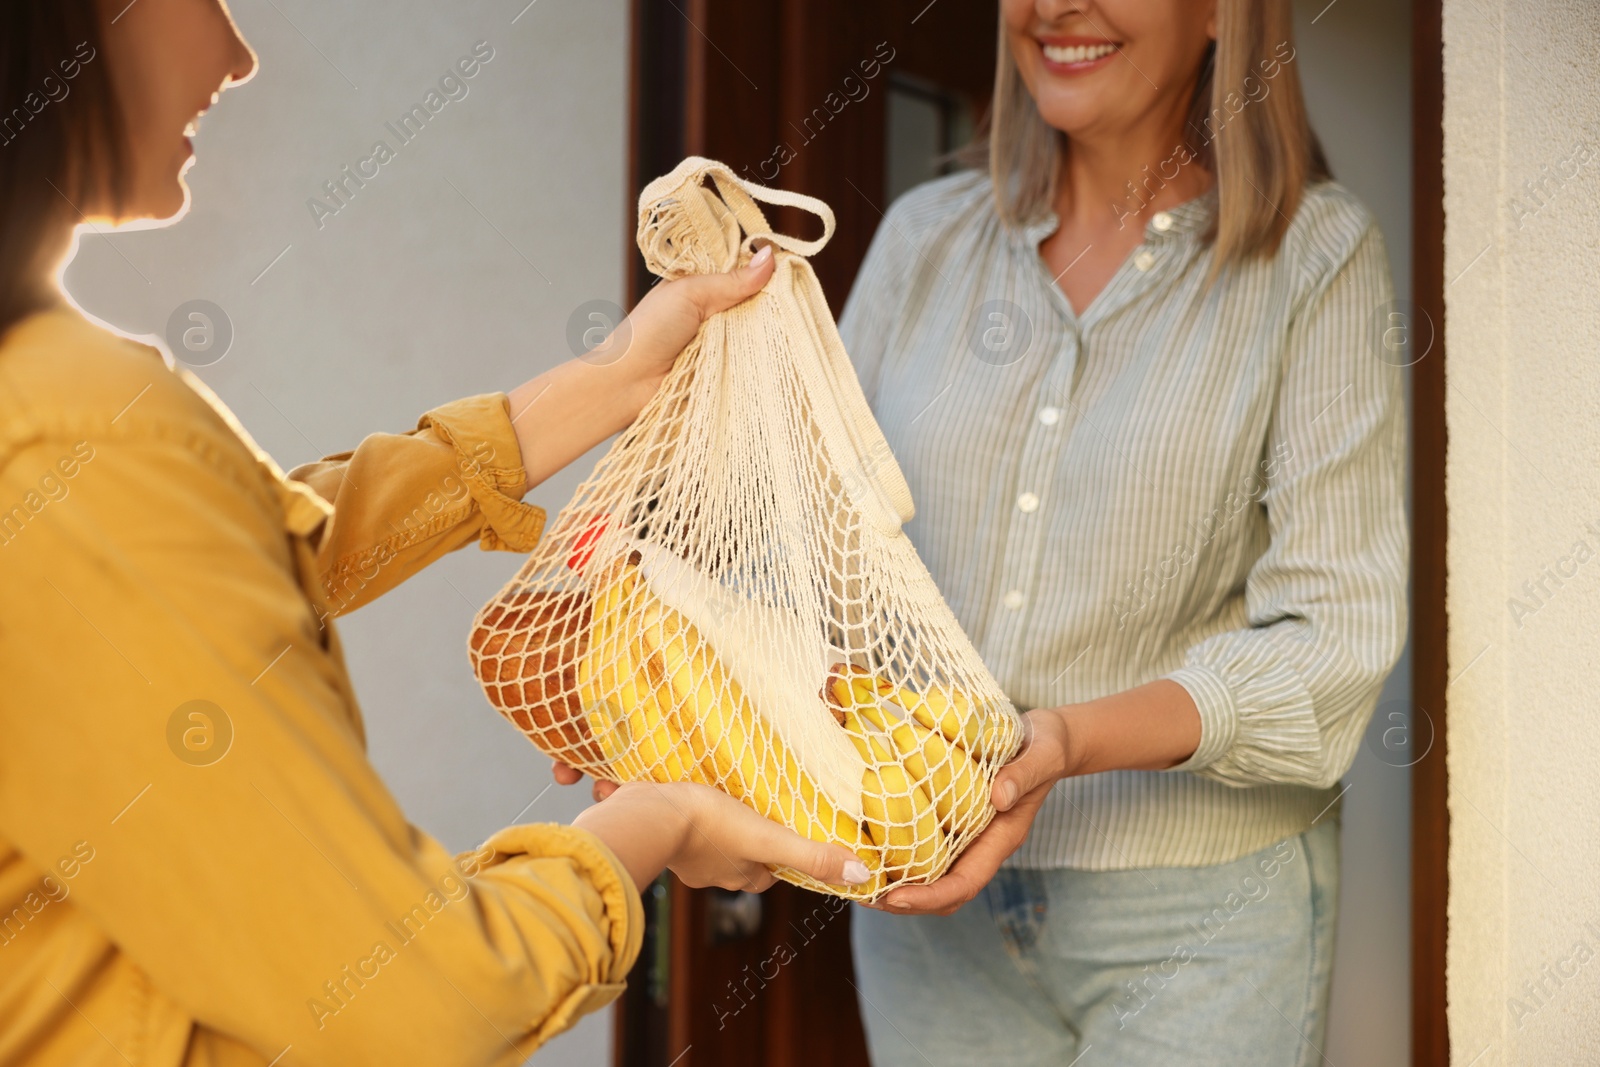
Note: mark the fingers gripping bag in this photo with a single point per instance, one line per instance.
(729, 598)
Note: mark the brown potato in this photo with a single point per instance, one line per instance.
(525, 650)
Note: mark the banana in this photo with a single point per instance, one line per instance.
(955, 785)
(676, 698)
(855, 703)
(756, 764)
(660, 747)
(944, 770)
(738, 751)
(838, 693)
(832, 826)
(616, 593)
(900, 816)
(947, 711)
(798, 780)
(597, 682)
(699, 712)
(866, 692)
(900, 819)
(877, 817)
(856, 729)
(997, 739)
(662, 707)
(659, 744)
(950, 713)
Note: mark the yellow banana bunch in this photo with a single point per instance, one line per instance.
(619, 694)
(920, 776)
(663, 708)
(946, 711)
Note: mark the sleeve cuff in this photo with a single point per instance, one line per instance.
(490, 460)
(601, 868)
(1219, 716)
(580, 1002)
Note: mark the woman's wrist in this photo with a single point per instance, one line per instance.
(564, 412)
(1151, 727)
(634, 391)
(642, 826)
(1079, 724)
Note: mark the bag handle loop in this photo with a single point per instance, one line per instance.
(663, 244)
(684, 230)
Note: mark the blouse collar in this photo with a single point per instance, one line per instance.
(1190, 217)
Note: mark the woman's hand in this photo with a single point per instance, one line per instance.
(1151, 727)
(707, 838)
(661, 325)
(569, 409)
(1019, 790)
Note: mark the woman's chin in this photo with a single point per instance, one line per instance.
(154, 208)
(1073, 113)
(178, 201)
(174, 195)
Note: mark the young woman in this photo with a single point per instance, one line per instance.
(166, 590)
(1128, 369)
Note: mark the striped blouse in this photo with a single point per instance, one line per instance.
(1202, 484)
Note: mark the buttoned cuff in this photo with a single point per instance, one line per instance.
(490, 461)
(1219, 716)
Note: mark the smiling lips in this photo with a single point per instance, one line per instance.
(1078, 55)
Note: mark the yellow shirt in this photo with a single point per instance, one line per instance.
(198, 864)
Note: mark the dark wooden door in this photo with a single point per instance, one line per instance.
(848, 101)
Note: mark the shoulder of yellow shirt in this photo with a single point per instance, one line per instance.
(65, 378)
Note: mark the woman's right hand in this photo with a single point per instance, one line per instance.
(708, 838)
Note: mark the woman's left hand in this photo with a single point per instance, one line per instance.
(1151, 727)
(1019, 792)
(572, 407)
(662, 324)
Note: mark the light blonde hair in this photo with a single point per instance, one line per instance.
(1261, 167)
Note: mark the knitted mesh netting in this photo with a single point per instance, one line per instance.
(730, 599)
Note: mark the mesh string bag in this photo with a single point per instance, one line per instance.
(729, 598)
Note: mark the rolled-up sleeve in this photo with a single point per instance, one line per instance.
(400, 501)
(1287, 698)
(171, 700)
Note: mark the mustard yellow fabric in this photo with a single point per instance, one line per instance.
(160, 905)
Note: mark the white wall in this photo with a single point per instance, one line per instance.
(406, 298)
(1522, 304)
(1355, 60)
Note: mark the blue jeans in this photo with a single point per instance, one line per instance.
(1226, 965)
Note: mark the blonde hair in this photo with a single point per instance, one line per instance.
(1261, 168)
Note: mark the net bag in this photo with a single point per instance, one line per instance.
(730, 599)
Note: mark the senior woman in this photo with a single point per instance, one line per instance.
(198, 864)
(1126, 369)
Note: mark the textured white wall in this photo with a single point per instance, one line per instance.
(1522, 304)
(406, 298)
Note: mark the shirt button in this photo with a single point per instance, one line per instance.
(1144, 260)
(1162, 221)
(1027, 503)
(1013, 599)
(1049, 416)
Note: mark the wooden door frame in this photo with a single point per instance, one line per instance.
(1430, 816)
(663, 70)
